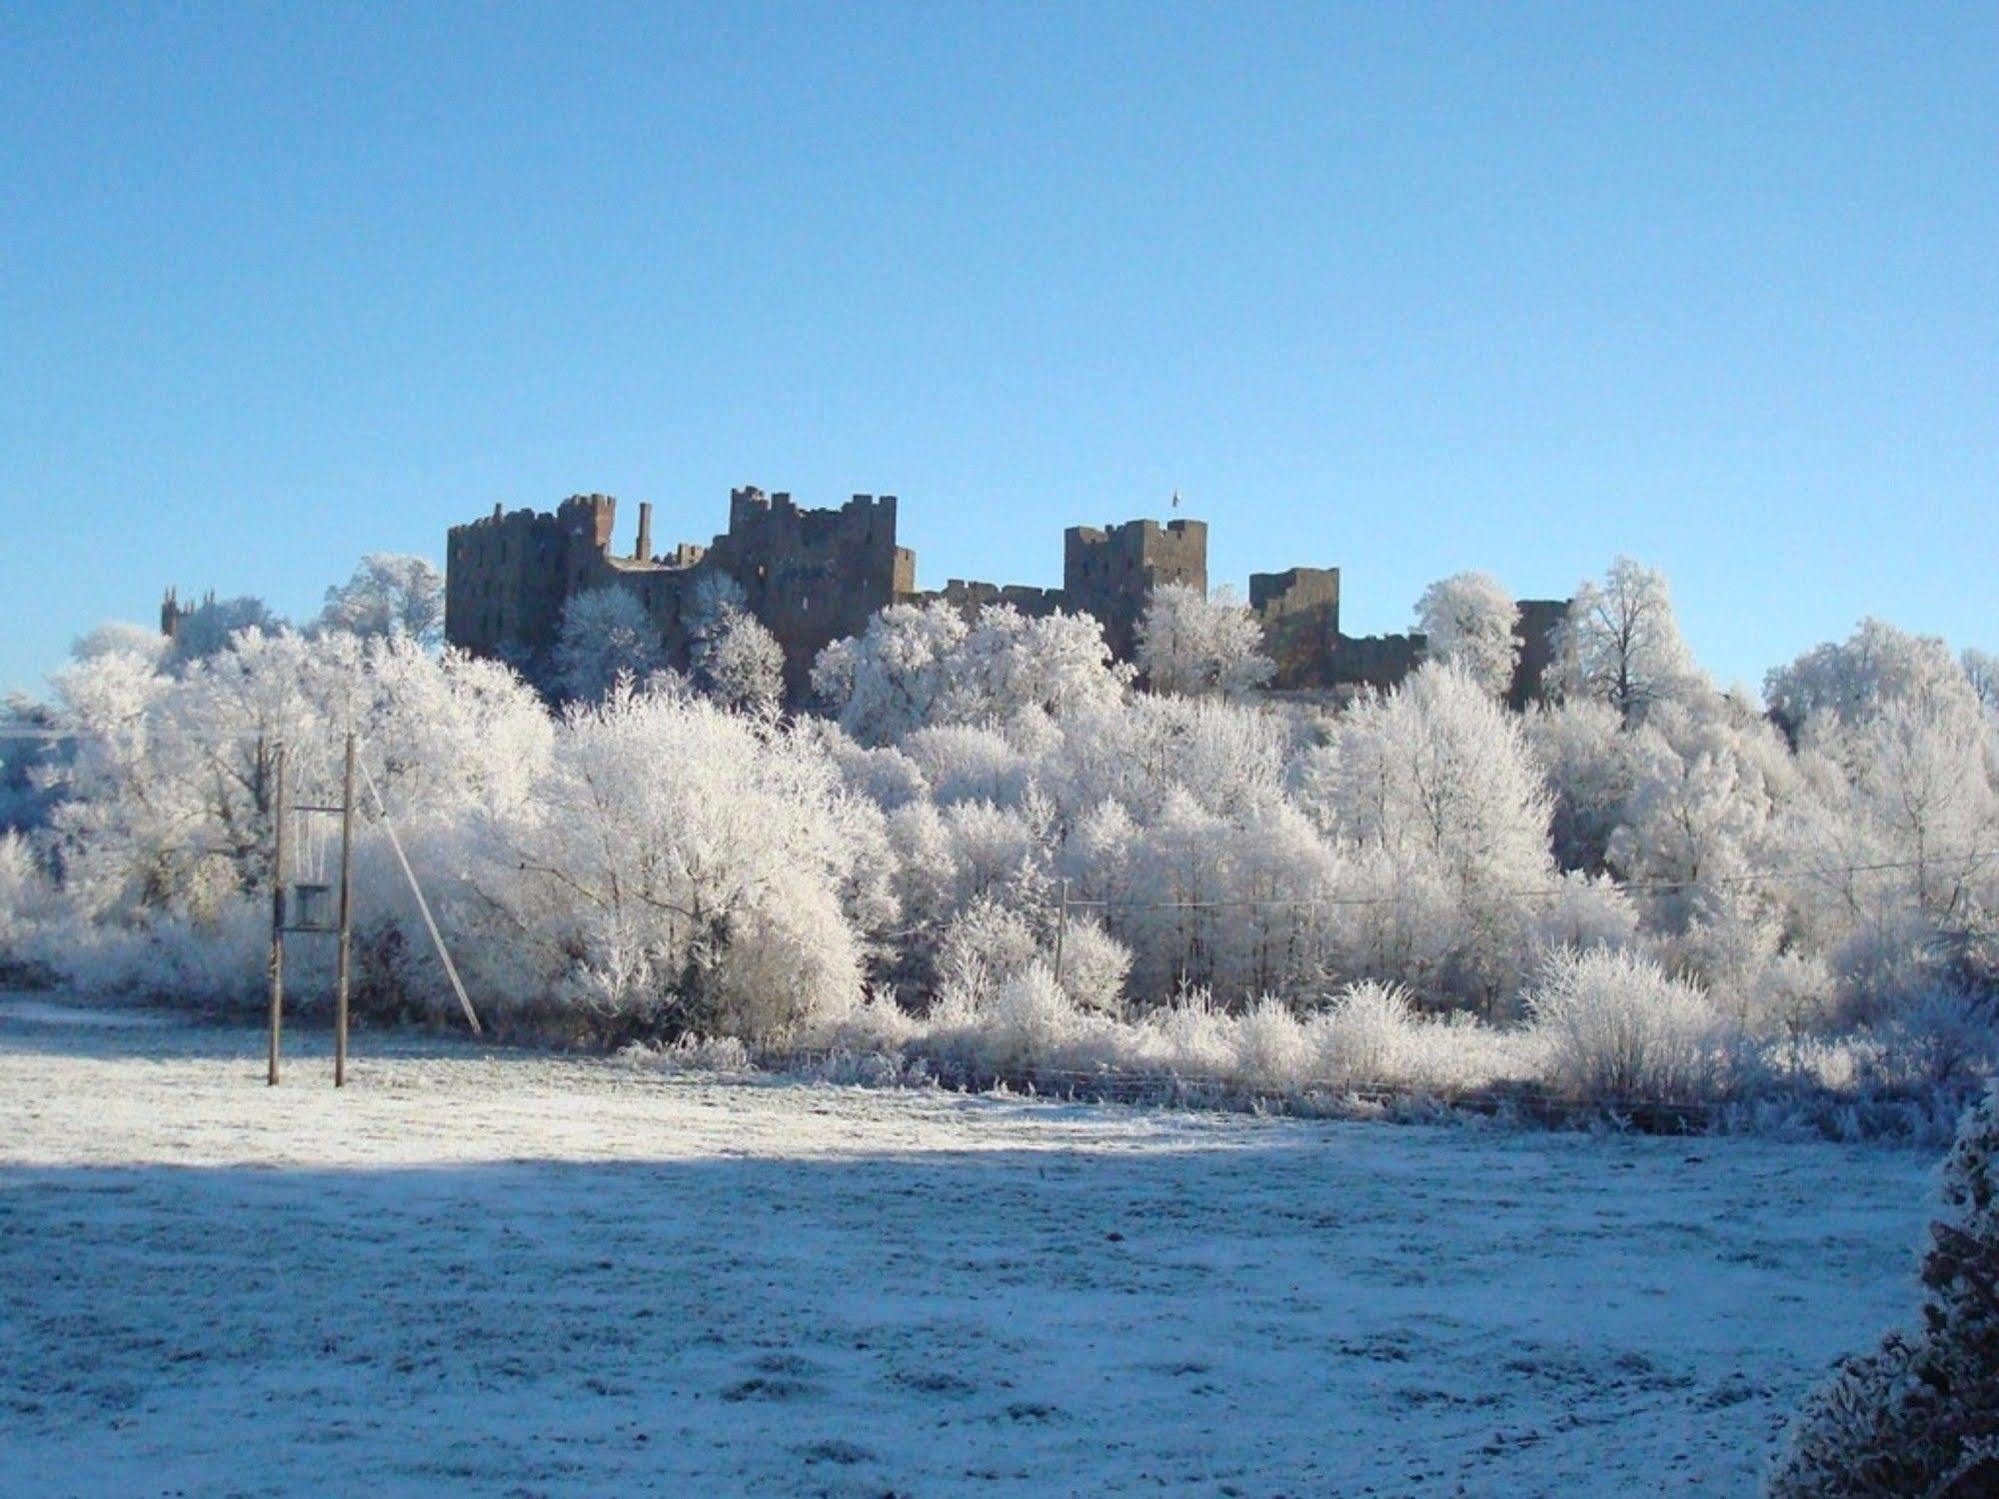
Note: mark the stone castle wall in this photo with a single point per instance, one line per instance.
(811, 576)
(816, 576)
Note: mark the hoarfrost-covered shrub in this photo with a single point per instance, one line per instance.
(1094, 967)
(1920, 1414)
(1029, 1019)
(26, 902)
(1937, 1039)
(988, 942)
(876, 1024)
(983, 946)
(219, 959)
(1021, 1023)
(1362, 1037)
(1189, 1034)
(1371, 1036)
(676, 869)
(1270, 1050)
(1616, 1027)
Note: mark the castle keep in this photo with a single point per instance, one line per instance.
(815, 576)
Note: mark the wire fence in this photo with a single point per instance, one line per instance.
(1811, 1107)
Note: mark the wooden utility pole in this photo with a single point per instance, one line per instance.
(1061, 926)
(346, 917)
(306, 913)
(277, 911)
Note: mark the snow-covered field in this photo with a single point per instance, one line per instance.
(504, 1272)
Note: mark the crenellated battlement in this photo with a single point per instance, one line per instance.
(816, 576)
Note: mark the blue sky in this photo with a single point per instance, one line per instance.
(1403, 289)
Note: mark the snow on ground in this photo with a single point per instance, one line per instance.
(495, 1271)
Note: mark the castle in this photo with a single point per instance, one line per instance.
(816, 576)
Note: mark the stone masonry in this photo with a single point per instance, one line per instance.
(815, 576)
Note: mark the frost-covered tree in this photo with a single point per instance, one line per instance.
(676, 870)
(923, 664)
(1010, 663)
(891, 677)
(161, 828)
(1439, 778)
(605, 636)
(1851, 679)
(1590, 766)
(1981, 670)
(1620, 643)
(1469, 618)
(389, 594)
(735, 660)
(1920, 1414)
(121, 637)
(1194, 644)
(210, 626)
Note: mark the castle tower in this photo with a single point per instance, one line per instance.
(1110, 573)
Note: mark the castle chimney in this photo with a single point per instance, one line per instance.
(644, 553)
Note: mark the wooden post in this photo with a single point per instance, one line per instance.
(346, 917)
(277, 910)
(1061, 925)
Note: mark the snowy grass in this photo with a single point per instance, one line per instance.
(496, 1271)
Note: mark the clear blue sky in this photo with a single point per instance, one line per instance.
(1400, 288)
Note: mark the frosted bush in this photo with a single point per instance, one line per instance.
(25, 897)
(1029, 1019)
(1371, 1036)
(876, 1024)
(219, 959)
(1024, 1022)
(677, 869)
(1364, 1035)
(1938, 1038)
(1094, 967)
(983, 946)
(1616, 1027)
(1270, 1052)
(1187, 1035)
